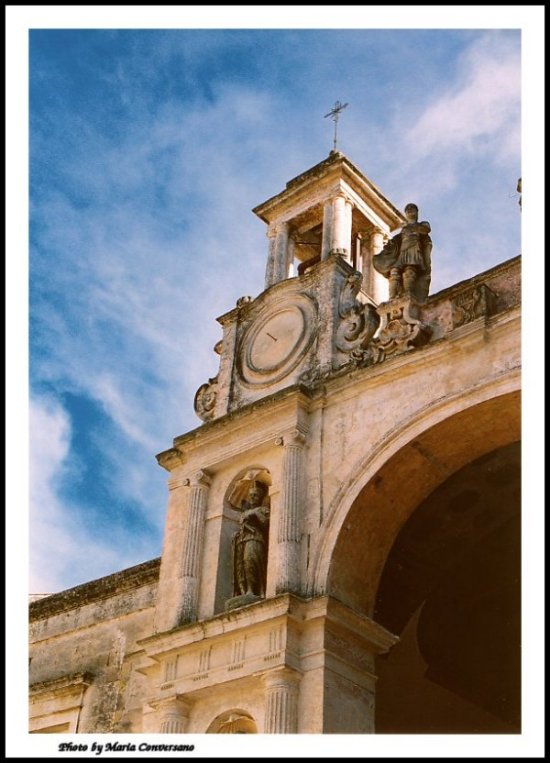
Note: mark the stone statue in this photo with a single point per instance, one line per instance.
(406, 259)
(250, 544)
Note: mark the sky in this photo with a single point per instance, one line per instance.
(148, 148)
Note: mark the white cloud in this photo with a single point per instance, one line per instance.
(483, 105)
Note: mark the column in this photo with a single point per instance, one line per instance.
(291, 244)
(378, 284)
(326, 241)
(270, 267)
(341, 226)
(288, 533)
(192, 545)
(282, 688)
(174, 715)
(277, 261)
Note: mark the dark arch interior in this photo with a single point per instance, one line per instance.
(451, 590)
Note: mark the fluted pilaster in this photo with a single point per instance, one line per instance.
(288, 530)
(282, 689)
(193, 539)
(173, 715)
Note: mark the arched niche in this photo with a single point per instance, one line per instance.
(233, 722)
(233, 497)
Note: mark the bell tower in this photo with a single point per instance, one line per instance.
(321, 289)
(331, 209)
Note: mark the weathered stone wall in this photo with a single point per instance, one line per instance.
(92, 630)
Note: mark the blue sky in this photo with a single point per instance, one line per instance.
(148, 149)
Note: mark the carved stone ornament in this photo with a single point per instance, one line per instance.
(358, 322)
(315, 375)
(205, 399)
(472, 304)
(277, 340)
(401, 328)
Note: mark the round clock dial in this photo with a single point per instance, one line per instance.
(277, 340)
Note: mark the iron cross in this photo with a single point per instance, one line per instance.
(335, 113)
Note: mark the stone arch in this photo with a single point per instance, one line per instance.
(396, 475)
(234, 494)
(450, 589)
(234, 721)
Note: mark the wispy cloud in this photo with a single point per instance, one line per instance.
(479, 109)
(62, 553)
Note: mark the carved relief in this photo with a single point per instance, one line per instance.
(237, 654)
(359, 321)
(203, 665)
(401, 329)
(205, 399)
(170, 669)
(472, 304)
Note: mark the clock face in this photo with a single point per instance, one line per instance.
(277, 341)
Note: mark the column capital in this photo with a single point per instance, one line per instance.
(274, 228)
(200, 478)
(175, 702)
(296, 437)
(282, 677)
(341, 194)
(176, 482)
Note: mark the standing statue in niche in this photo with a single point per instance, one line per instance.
(406, 259)
(250, 544)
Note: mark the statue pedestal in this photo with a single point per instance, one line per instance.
(241, 601)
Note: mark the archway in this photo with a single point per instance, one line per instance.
(451, 590)
(367, 560)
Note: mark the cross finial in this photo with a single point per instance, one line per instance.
(335, 113)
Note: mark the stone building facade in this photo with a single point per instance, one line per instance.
(380, 591)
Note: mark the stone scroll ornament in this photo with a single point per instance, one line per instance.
(358, 321)
(205, 399)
